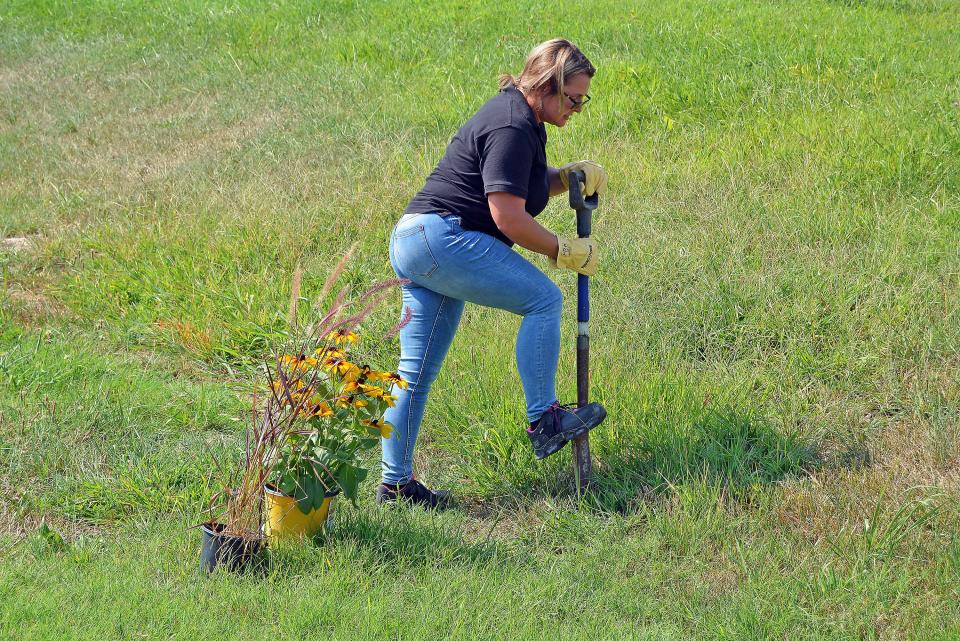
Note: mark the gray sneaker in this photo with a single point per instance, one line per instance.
(562, 423)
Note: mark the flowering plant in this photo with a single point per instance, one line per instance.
(333, 409)
(322, 411)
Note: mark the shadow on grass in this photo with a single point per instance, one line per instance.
(650, 458)
(735, 451)
(402, 537)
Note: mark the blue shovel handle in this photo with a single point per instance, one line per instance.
(583, 465)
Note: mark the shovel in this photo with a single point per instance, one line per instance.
(582, 463)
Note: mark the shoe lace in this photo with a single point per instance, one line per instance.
(557, 406)
(553, 412)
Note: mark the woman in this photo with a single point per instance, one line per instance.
(454, 242)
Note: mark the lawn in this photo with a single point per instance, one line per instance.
(775, 323)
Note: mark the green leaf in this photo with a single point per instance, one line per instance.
(287, 484)
(51, 537)
(309, 493)
(321, 455)
(349, 477)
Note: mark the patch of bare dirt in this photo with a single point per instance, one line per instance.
(30, 307)
(15, 244)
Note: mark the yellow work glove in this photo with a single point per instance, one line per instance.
(595, 178)
(578, 254)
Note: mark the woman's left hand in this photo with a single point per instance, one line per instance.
(595, 177)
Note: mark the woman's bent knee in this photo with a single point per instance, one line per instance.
(549, 300)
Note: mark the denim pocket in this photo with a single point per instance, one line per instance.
(412, 252)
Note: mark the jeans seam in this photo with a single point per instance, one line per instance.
(416, 229)
(436, 265)
(426, 352)
(540, 382)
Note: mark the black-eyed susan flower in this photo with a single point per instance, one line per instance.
(295, 387)
(302, 394)
(321, 409)
(390, 377)
(331, 353)
(341, 337)
(398, 380)
(348, 371)
(385, 429)
(371, 390)
(300, 362)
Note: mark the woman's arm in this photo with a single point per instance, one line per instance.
(556, 185)
(510, 215)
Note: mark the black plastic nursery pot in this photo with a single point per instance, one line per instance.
(234, 553)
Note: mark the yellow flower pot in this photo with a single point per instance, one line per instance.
(286, 520)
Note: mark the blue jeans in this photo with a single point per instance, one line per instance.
(447, 266)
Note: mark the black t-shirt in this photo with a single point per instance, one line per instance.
(502, 148)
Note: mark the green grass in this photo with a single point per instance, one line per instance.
(775, 321)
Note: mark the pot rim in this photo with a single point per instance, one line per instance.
(270, 488)
(216, 528)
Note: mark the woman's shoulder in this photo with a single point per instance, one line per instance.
(505, 109)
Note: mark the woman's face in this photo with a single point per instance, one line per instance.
(558, 108)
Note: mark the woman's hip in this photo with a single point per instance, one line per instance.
(435, 252)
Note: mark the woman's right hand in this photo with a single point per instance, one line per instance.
(578, 254)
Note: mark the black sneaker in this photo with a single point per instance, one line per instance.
(413, 492)
(562, 423)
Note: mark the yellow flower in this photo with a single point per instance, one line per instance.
(342, 401)
(371, 390)
(298, 362)
(391, 377)
(348, 371)
(329, 353)
(391, 400)
(295, 390)
(386, 429)
(321, 409)
(398, 380)
(361, 403)
(351, 387)
(300, 394)
(340, 337)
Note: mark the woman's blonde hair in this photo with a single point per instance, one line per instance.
(547, 68)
